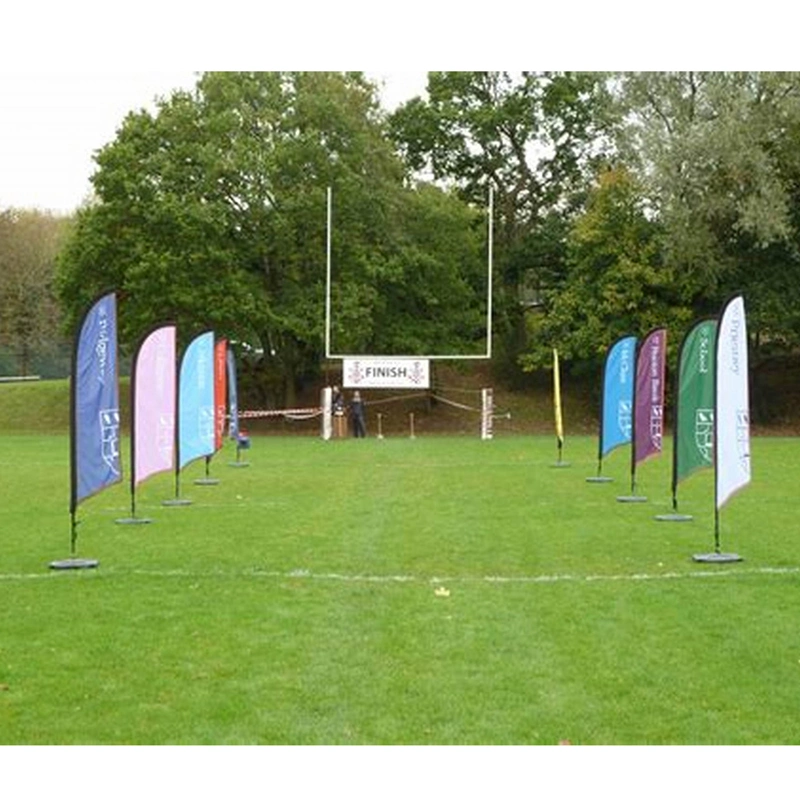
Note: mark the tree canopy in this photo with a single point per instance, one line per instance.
(215, 207)
(621, 201)
(29, 317)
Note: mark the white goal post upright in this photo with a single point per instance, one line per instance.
(327, 412)
(452, 356)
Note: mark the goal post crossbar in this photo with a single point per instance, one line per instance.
(487, 354)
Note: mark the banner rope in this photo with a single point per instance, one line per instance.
(395, 399)
(454, 404)
(288, 413)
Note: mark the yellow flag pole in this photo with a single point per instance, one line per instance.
(557, 407)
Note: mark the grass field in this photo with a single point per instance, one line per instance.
(441, 590)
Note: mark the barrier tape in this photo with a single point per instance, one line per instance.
(290, 413)
(454, 404)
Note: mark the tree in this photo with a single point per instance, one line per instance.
(29, 318)
(534, 138)
(717, 154)
(617, 282)
(212, 212)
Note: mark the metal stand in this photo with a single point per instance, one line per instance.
(242, 443)
(75, 563)
(599, 478)
(208, 480)
(673, 517)
(717, 558)
(177, 500)
(632, 497)
(559, 463)
(133, 519)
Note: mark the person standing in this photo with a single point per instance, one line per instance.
(357, 416)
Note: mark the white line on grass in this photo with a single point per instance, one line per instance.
(360, 578)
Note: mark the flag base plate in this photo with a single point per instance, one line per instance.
(133, 521)
(239, 464)
(560, 464)
(631, 498)
(674, 517)
(599, 479)
(717, 558)
(177, 501)
(206, 482)
(75, 563)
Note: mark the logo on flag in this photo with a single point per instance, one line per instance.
(743, 438)
(109, 437)
(656, 426)
(624, 417)
(704, 432)
(206, 422)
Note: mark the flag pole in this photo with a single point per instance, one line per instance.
(718, 556)
(177, 500)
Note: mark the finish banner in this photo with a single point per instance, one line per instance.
(385, 373)
(95, 403)
(618, 380)
(732, 411)
(694, 411)
(153, 425)
(196, 400)
(650, 371)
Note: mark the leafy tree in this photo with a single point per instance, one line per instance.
(717, 155)
(534, 138)
(617, 281)
(212, 212)
(29, 318)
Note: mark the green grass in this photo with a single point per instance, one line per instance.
(295, 603)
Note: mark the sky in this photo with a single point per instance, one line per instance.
(70, 72)
(52, 122)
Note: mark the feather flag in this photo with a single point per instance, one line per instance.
(95, 403)
(94, 414)
(649, 396)
(153, 404)
(196, 400)
(233, 399)
(557, 401)
(220, 390)
(618, 381)
(732, 406)
(693, 445)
